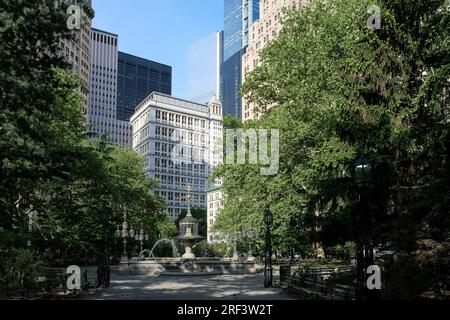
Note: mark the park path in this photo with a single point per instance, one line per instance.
(210, 287)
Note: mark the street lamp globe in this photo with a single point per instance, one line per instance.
(268, 218)
(132, 233)
(117, 233)
(124, 229)
(363, 172)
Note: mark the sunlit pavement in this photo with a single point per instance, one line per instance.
(218, 287)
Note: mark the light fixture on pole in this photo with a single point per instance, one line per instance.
(364, 248)
(363, 172)
(250, 236)
(124, 234)
(141, 237)
(235, 238)
(268, 271)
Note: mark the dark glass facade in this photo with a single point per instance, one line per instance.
(230, 82)
(136, 79)
(239, 15)
(232, 33)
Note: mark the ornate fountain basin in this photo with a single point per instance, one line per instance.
(180, 266)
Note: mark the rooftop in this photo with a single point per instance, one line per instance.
(167, 99)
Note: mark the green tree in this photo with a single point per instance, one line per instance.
(73, 190)
(109, 180)
(341, 90)
(166, 228)
(40, 115)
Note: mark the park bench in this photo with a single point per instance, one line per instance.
(342, 292)
(308, 286)
(314, 284)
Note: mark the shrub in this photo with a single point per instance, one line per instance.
(423, 273)
(203, 249)
(207, 250)
(19, 271)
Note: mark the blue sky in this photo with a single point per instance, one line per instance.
(160, 30)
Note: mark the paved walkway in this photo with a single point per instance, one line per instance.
(210, 287)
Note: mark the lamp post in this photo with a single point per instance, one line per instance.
(124, 234)
(103, 266)
(141, 237)
(268, 271)
(364, 248)
(236, 237)
(250, 236)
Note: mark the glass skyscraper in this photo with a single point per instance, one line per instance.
(239, 15)
(205, 61)
(137, 78)
(230, 82)
(232, 41)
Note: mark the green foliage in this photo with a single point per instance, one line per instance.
(38, 116)
(344, 251)
(203, 250)
(75, 191)
(166, 228)
(19, 270)
(110, 182)
(208, 250)
(340, 90)
(231, 122)
(426, 268)
(163, 250)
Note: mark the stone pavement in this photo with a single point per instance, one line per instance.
(210, 287)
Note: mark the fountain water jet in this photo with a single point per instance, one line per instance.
(150, 252)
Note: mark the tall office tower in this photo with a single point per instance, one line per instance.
(261, 33)
(230, 85)
(77, 50)
(177, 139)
(238, 16)
(205, 61)
(137, 78)
(102, 112)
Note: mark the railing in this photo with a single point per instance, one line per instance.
(48, 283)
(318, 284)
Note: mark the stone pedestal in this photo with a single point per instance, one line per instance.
(124, 259)
(188, 253)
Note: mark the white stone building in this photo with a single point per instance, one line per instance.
(178, 139)
(215, 204)
(102, 111)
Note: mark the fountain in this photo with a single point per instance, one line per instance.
(189, 231)
(188, 264)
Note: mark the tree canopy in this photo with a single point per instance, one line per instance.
(342, 90)
(54, 180)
